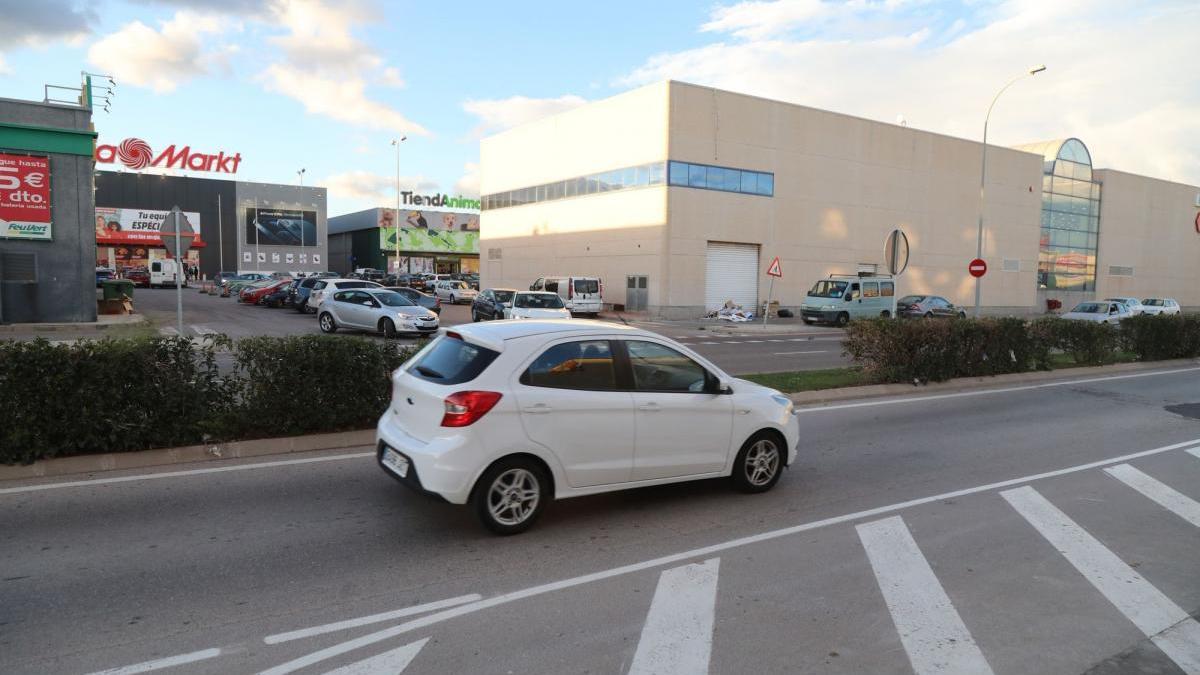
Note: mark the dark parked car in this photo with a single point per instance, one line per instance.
(401, 279)
(471, 279)
(418, 298)
(302, 289)
(490, 304)
(281, 296)
(104, 274)
(223, 278)
(927, 307)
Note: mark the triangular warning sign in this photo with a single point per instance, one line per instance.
(775, 270)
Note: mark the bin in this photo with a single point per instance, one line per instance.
(113, 289)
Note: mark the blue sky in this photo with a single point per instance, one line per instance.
(325, 84)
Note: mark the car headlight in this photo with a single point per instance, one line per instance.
(783, 401)
(828, 307)
(402, 315)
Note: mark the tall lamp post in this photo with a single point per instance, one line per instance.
(396, 223)
(300, 173)
(983, 171)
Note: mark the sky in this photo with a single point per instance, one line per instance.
(325, 85)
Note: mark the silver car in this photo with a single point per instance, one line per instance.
(376, 311)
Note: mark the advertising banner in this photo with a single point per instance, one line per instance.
(281, 227)
(138, 227)
(429, 231)
(24, 196)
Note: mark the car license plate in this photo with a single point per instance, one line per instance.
(394, 461)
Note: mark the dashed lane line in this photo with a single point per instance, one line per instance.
(159, 664)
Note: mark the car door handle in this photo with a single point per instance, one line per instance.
(539, 408)
(649, 407)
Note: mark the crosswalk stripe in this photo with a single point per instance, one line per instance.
(1164, 495)
(1194, 452)
(677, 635)
(1164, 622)
(933, 634)
(391, 662)
(168, 330)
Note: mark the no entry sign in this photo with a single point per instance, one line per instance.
(977, 267)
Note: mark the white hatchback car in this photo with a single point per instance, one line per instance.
(327, 287)
(1134, 305)
(507, 415)
(536, 305)
(454, 291)
(374, 310)
(1160, 306)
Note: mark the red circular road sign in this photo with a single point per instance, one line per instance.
(977, 267)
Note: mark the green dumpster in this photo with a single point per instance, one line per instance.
(113, 289)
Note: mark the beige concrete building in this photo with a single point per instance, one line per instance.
(679, 197)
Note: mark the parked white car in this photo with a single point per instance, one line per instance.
(454, 291)
(327, 287)
(536, 305)
(376, 311)
(581, 295)
(1163, 306)
(1102, 311)
(1134, 305)
(508, 415)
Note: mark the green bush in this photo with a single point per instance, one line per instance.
(116, 395)
(1088, 343)
(936, 350)
(1153, 338)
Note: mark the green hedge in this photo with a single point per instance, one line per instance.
(116, 395)
(1153, 338)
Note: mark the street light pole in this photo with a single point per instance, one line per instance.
(983, 172)
(300, 173)
(396, 222)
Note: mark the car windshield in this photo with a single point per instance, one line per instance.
(538, 301)
(505, 296)
(910, 299)
(827, 288)
(1090, 308)
(1152, 302)
(456, 284)
(392, 299)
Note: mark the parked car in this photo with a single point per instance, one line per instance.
(281, 296)
(1104, 311)
(223, 278)
(491, 304)
(592, 407)
(104, 274)
(1160, 306)
(581, 295)
(537, 305)
(140, 276)
(236, 284)
(454, 292)
(840, 298)
(401, 279)
(471, 279)
(376, 310)
(300, 290)
(928, 307)
(255, 292)
(165, 273)
(325, 287)
(418, 298)
(1134, 305)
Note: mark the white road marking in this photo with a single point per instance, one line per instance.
(1194, 452)
(391, 663)
(169, 331)
(1164, 622)
(732, 342)
(1164, 495)
(157, 664)
(776, 340)
(987, 392)
(176, 474)
(367, 620)
(708, 343)
(677, 635)
(752, 341)
(818, 351)
(933, 634)
(534, 591)
(200, 329)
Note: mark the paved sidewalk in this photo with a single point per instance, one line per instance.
(102, 322)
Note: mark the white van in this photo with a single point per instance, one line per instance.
(163, 272)
(581, 295)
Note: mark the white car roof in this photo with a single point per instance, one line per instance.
(493, 334)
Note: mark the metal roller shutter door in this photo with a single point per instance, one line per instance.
(731, 274)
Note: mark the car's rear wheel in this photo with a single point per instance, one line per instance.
(885, 314)
(759, 463)
(842, 319)
(474, 316)
(511, 495)
(327, 323)
(388, 327)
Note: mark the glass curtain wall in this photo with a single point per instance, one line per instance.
(1070, 219)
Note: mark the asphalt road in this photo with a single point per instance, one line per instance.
(957, 533)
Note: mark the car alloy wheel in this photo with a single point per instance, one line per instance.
(513, 497)
(389, 328)
(762, 462)
(327, 324)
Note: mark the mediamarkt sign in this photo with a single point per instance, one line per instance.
(136, 154)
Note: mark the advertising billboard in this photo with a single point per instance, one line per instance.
(429, 231)
(138, 227)
(281, 227)
(24, 196)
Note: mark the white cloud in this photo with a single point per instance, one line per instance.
(1115, 77)
(374, 189)
(162, 59)
(4, 69)
(468, 184)
(500, 114)
(343, 99)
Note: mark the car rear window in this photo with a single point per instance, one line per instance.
(587, 286)
(450, 360)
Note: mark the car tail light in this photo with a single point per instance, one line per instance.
(464, 408)
(570, 290)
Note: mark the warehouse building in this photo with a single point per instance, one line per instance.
(679, 197)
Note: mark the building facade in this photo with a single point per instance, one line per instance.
(680, 196)
(426, 241)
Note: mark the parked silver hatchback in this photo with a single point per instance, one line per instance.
(376, 311)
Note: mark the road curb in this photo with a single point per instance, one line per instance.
(83, 326)
(112, 461)
(973, 383)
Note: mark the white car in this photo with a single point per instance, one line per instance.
(508, 415)
(327, 287)
(536, 305)
(1101, 311)
(1134, 305)
(376, 311)
(454, 291)
(1160, 306)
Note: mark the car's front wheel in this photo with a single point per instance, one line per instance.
(327, 323)
(474, 316)
(759, 463)
(388, 327)
(510, 495)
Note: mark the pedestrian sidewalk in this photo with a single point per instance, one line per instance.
(102, 322)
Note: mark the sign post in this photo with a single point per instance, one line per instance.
(774, 270)
(177, 240)
(895, 254)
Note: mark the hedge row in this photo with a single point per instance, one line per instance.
(116, 395)
(903, 351)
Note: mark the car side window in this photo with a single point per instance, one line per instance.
(344, 296)
(586, 365)
(659, 368)
(551, 286)
(853, 293)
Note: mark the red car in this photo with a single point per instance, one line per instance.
(139, 277)
(256, 294)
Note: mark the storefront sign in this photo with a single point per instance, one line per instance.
(446, 201)
(138, 226)
(281, 227)
(137, 155)
(429, 231)
(24, 196)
